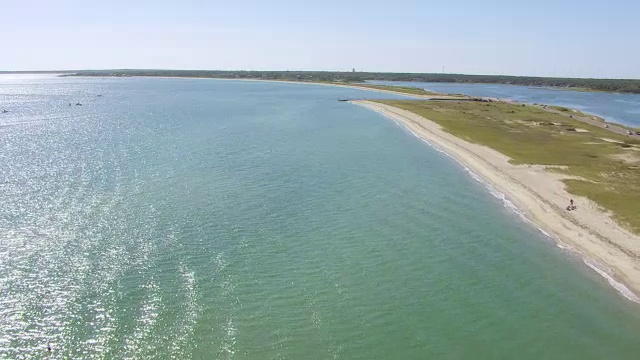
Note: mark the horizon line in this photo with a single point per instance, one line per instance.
(306, 71)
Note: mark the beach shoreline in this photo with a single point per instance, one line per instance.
(590, 231)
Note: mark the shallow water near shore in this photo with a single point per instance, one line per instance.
(194, 218)
(614, 107)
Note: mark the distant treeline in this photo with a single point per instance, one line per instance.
(616, 85)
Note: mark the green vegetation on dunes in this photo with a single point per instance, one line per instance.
(607, 164)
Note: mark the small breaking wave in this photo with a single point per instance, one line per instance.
(606, 273)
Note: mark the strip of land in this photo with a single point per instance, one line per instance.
(396, 90)
(609, 85)
(414, 92)
(541, 160)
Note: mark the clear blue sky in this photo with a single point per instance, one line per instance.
(538, 37)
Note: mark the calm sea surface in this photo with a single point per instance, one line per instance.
(615, 107)
(190, 218)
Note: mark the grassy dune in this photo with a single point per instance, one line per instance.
(608, 164)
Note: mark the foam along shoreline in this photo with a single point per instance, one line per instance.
(539, 196)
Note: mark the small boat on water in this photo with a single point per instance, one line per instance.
(4, 111)
(78, 104)
(343, 99)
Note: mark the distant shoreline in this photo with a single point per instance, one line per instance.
(579, 84)
(541, 195)
(346, 85)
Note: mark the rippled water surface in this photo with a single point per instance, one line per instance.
(187, 218)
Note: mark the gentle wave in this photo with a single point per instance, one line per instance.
(601, 270)
(606, 273)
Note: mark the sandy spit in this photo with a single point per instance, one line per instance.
(540, 195)
(350, 86)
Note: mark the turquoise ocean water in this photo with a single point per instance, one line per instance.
(191, 218)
